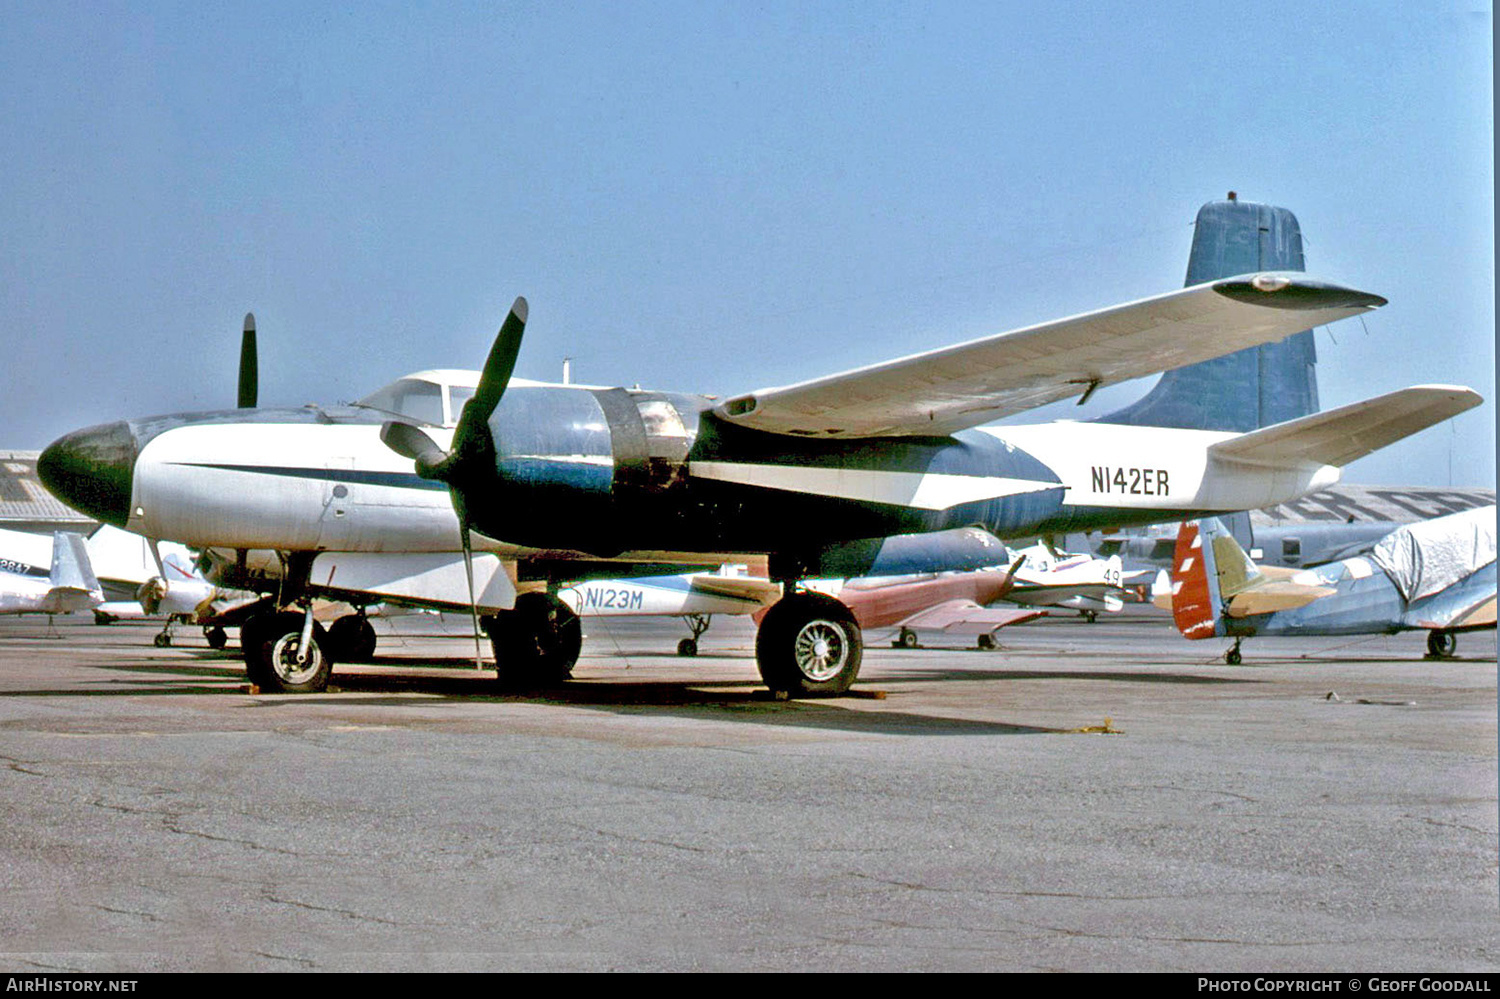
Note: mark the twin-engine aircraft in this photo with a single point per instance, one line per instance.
(558, 482)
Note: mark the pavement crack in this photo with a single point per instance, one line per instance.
(150, 917)
(282, 957)
(171, 822)
(641, 840)
(346, 913)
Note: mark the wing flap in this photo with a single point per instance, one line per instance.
(941, 391)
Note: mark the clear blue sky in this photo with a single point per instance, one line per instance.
(713, 197)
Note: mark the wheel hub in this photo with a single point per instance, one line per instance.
(821, 650)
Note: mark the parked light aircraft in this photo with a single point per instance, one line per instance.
(1437, 575)
(577, 480)
(67, 583)
(1048, 578)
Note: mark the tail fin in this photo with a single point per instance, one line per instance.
(1251, 388)
(1197, 601)
(74, 586)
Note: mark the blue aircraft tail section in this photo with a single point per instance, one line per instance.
(1252, 388)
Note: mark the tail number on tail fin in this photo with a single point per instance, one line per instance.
(1130, 481)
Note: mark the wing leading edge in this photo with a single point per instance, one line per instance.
(953, 388)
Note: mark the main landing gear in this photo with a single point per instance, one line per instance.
(809, 644)
(1232, 657)
(537, 643)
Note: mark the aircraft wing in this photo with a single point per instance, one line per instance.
(965, 617)
(942, 391)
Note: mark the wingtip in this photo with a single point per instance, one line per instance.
(249, 322)
(1279, 290)
(520, 308)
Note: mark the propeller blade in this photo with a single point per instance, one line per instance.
(471, 436)
(501, 362)
(249, 365)
(412, 442)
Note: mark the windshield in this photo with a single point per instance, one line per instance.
(419, 400)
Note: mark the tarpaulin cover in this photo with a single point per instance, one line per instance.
(1426, 558)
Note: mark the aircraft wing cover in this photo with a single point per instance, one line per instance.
(1428, 557)
(942, 391)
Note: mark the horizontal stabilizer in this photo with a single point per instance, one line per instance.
(1274, 595)
(1339, 436)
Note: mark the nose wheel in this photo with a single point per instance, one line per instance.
(287, 654)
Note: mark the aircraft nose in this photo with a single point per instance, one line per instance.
(91, 470)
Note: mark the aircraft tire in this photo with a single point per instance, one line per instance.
(1232, 657)
(537, 643)
(809, 645)
(351, 639)
(687, 647)
(273, 666)
(215, 637)
(101, 618)
(906, 639)
(162, 641)
(1441, 644)
(986, 642)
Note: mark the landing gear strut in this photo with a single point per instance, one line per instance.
(698, 624)
(808, 644)
(537, 643)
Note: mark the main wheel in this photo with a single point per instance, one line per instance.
(273, 665)
(537, 643)
(215, 637)
(351, 639)
(687, 647)
(1232, 657)
(985, 641)
(1441, 644)
(162, 641)
(905, 639)
(809, 644)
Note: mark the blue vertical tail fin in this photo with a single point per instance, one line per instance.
(1255, 387)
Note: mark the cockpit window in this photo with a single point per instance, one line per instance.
(409, 397)
(457, 396)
